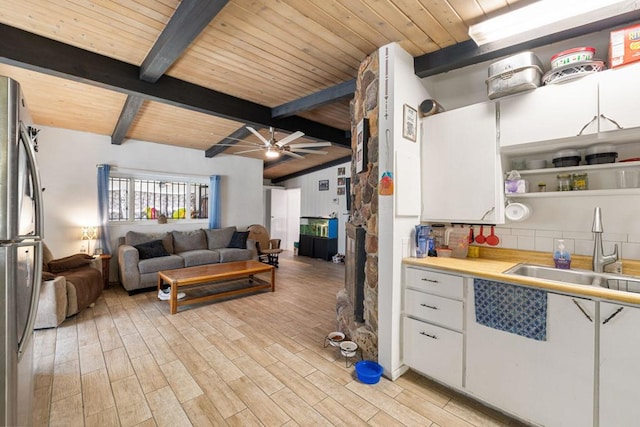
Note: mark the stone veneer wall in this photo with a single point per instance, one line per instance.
(364, 212)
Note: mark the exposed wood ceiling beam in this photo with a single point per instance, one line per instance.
(233, 138)
(313, 169)
(189, 19)
(129, 110)
(23, 49)
(315, 100)
(187, 22)
(468, 53)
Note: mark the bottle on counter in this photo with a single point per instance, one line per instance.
(561, 256)
(431, 244)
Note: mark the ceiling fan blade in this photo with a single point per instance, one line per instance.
(289, 138)
(304, 150)
(297, 156)
(248, 151)
(256, 133)
(310, 144)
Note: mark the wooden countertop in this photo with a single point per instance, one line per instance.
(491, 265)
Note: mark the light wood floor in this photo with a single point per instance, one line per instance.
(255, 360)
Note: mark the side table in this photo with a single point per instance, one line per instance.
(106, 259)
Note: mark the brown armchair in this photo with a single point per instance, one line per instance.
(268, 248)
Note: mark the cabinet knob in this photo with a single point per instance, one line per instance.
(429, 306)
(428, 335)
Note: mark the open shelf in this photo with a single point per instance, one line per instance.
(576, 193)
(582, 168)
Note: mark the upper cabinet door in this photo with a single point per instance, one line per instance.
(552, 112)
(619, 94)
(459, 166)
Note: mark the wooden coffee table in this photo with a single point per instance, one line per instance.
(215, 274)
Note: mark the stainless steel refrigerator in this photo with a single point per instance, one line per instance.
(20, 253)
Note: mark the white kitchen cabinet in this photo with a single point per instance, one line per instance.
(619, 365)
(433, 338)
(460, 166)
(551, 112)
(550, 382)
(619, 94)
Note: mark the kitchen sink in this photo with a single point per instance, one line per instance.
(578, 277)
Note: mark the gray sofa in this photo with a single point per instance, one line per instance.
(142, 255)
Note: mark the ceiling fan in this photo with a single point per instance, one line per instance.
(274, 148)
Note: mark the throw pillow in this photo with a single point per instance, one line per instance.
(239, 240)
(70, 262)
(152, 249)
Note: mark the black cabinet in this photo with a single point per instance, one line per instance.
(318, 237)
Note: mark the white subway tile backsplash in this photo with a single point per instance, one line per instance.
(614, 237)
(526, 243)
(584, 247)
(577, 235)
(544, 244)
(523, 232)
(633, 238)
(631, 251)
(509, 242)
(548, 233)
(577, 242)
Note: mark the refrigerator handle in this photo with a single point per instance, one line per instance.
(35, 176)
(35, 296)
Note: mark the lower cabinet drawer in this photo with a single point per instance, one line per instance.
(432, 308)
(446, 285)
(434, 351)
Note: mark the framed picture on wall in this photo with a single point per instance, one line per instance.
(362, 135)
(323, 185)
(340, 181)
(409, 123)
(341, 171)
(341, 191)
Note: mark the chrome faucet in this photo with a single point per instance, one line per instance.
(599, 258)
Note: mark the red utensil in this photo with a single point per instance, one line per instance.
(480, 237)
(492, 239)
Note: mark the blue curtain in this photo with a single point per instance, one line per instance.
(103, 207)
(214, 201)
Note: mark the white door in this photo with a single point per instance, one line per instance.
(278, 220)
(293, 218)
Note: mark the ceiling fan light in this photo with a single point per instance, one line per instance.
(272, 154)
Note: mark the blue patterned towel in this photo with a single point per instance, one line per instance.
(511, 308)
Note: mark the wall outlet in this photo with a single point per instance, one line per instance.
(615, 268)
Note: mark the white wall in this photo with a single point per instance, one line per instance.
(314, 202)
(397, 214)
(68, 159)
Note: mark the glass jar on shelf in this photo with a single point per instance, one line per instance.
(579, 181)
(564, 182)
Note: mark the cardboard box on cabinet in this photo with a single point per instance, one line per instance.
(624, 46)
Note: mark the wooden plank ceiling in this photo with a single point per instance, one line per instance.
(263, 53)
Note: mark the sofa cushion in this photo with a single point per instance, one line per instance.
(153, 265)
(87, 283)
(200, 257)
(234, 254)
(189, 240)
(69, 263)
(152, 249)
(134, 238)
(239, 240)
(219, 237)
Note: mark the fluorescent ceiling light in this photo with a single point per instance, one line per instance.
(546, 17)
